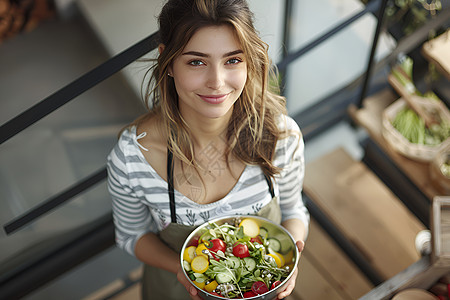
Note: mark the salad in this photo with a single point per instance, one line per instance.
(237, 260)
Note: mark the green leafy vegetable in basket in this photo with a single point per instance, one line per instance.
(413, 128)
(445, 168)
(403, 73)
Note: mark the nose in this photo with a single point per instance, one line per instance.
(216, 77)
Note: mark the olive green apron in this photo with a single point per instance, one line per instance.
(161, 284)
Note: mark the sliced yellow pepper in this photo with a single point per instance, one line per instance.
(200, 264)
(189, 254)
(211, 286)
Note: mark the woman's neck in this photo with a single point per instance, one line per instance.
(207, 131)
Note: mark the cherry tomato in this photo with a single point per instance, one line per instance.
(194, 242)
(259, 287)
(256, 240)
(216, 245)
(241, 250)
(275, 284)
(249, 294)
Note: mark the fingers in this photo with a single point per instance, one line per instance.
(290, 285)
(193, 293)
(289, 288)
(189, 287)
(300, 245)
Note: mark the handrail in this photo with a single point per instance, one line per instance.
(97, 75)
(77, 87)
(50, 204)
(85, 242)
(371, 7)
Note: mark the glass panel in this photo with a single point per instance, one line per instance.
(269, 21)
(336, 62)
(62, 148)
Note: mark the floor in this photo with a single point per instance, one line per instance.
(73, 142)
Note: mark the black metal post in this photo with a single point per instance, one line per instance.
(288, 8)
(376, 37)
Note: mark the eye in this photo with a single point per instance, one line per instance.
(196, 63)
(234, 61)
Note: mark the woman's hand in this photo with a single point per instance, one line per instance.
(189, 287)
(290, 284)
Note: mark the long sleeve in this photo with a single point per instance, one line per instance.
(131, 217)
(290, 157)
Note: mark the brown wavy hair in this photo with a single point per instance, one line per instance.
(252, 132)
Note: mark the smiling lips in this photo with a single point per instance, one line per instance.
(214, 99)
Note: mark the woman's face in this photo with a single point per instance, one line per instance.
(210, 74)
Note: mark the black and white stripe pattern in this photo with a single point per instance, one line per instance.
(140, 198)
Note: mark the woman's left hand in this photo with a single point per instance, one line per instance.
(189, 287)
(290, 284)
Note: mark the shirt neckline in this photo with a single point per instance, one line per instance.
(179, 195)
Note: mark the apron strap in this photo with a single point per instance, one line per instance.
(171, 191)
(269, 183)
(173, 214)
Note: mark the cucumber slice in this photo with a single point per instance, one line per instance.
(263, 232)
(274, 244)
(186, 266)
(250, 263)
(223, 278)
(234, 262)
(286, 246)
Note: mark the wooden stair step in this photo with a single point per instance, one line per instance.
(325, 272)
(364, 210)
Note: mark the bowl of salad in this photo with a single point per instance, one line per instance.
(239, 257)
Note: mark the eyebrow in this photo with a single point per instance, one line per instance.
(196, 53)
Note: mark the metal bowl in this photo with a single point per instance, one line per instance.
(274, 230)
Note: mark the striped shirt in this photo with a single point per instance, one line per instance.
(140, 196)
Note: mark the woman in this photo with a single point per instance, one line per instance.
(215, 142)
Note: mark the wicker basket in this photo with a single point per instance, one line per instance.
(439, 180)
(397, 141)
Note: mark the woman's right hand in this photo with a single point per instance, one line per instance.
(189, 287)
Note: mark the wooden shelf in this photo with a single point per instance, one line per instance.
(370, 118)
